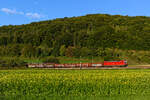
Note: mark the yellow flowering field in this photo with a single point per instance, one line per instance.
(46, 82)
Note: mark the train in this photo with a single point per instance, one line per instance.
(121, 63)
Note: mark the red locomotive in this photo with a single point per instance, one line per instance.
(121, 63)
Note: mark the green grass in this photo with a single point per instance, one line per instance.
(43, 82)
(74, 98)
(64, 60)
(78, 60)
(32, 60)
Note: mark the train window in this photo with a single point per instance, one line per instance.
(125, 62)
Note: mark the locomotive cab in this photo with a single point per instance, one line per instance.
(126, 63)
(121, 63)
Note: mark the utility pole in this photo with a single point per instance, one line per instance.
(92, 59)
(80, 63)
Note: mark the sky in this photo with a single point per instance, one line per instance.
(17, 12)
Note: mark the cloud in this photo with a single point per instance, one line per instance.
(34, 15)
(29, 15)
(11, 11)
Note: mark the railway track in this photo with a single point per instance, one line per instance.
(133, 67)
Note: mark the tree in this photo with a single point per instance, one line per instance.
(69, 51)
(85, 52)
(62, 50)
(28, 51)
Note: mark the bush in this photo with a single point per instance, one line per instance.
(70, 51)
(50, 60)
(62, 50)
(100, 52)
(85, 52)
(12, 62)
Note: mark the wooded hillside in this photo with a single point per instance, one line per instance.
(90, 35)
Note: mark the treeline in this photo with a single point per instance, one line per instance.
(90, 35)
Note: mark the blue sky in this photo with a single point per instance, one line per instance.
(16, 12)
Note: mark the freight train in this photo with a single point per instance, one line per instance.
(121, 63)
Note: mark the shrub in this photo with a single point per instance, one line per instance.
(70, 51)
(100, 52)
(62, 50)
(85, 52)
(12, 62)
(73, 51)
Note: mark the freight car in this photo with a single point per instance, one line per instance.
(121, 63)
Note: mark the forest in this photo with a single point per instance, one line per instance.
(90, 35)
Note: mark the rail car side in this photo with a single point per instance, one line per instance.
(121, 63)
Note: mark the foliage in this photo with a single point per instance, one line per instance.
(70, 51)
(95, 31)
(85, 52)
(62, 50)
(12, 62)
